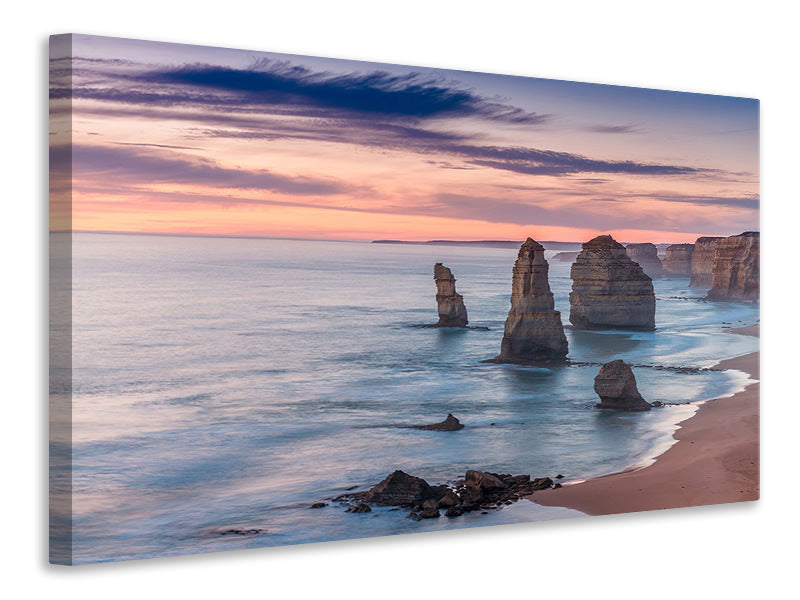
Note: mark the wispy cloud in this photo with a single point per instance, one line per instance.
(614, 128)
(150, 166)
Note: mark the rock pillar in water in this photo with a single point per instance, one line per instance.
(609, 290)
(703, 261)
(533, 331)
(616, 386)
(736, 273)
(647, 256)
(452, 312)
(678, 262)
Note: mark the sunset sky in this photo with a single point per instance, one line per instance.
(184, 139)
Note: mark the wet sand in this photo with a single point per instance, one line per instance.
(715, 460)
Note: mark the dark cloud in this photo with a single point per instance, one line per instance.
(135, 165)
(281, 87)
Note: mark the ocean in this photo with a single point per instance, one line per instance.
(227, 384)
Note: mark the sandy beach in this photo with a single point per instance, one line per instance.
(715, 460)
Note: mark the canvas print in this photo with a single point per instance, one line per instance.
(296, 299)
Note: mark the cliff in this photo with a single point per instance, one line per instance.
(609, 290)
(703, 261)
(533, 330)
(616, 386)
(452, 312)
(736, 274)
(678, 261)
(647, 256)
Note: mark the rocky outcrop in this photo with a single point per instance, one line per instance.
(616, 386)
(452, 312)
(566, 256)
(703, 260)
(736, 274)
(478, 490)
(609, 290)
(647, 256)
(399, 489)
(533, 331)
(678, 261)
(449, 424)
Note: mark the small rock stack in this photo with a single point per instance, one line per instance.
(616, 386)
(452, 312)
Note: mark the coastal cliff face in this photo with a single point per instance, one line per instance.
(452, 312)
(736, 274)
(616, 386)
(609, 290)
(533, 330)
(678, 261)
(703, 260)
(647, 256)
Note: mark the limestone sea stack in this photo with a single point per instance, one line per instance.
(616, 386)
(703, 261)
(736, 274)
(647, 256)
(452, 312)
(678, 261)
(533, 331)
(609, 290)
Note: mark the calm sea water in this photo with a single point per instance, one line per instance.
(230, 383)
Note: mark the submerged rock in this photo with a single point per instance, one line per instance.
(449, 424)
(533, 330)
(452, 312)
(678, 260)
(736, 274)
(705, 248)
(609, 290)
(616, 386)
(359, 508)
(647, 256)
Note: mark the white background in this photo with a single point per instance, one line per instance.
(733, 48)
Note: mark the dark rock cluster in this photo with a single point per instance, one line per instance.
(477, 491)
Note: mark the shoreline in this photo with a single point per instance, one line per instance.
(715, 459)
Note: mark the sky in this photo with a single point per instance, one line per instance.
(172, 138)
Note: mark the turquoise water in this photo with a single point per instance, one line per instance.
(229, 383)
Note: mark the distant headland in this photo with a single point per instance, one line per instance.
(551, 245)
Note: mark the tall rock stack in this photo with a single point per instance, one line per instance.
(647, 256)
(678, 261)
(452, 312)
(533, 331)
(736, 275)
(703, 261)
(609, 290)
